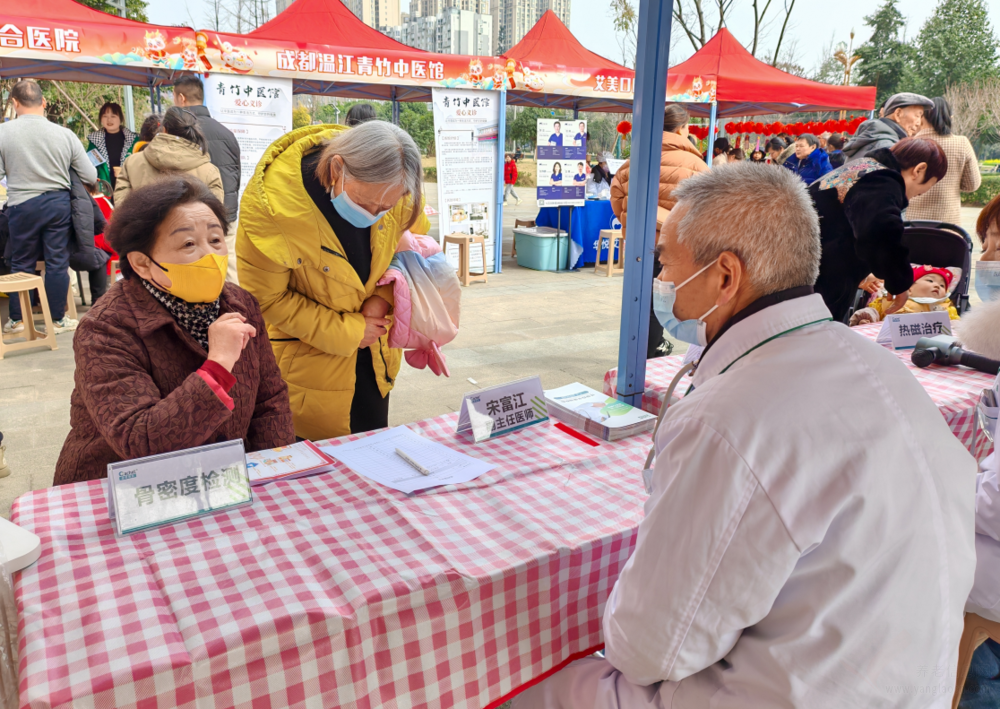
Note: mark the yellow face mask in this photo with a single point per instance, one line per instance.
(198, 282)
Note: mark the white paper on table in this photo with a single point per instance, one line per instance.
(374, 457)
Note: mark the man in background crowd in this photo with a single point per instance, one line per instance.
(904, 115)
(36, 157)
(223, 150)
(809, 162)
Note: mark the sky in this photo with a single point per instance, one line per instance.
(814, 23)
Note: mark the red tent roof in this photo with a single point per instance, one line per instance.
(325, 22)
(746, 85)
(550, 43)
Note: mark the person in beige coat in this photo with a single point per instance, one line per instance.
(943, 202)
(679, 160)
(180, 148)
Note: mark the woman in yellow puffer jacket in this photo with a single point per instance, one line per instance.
(319, 224)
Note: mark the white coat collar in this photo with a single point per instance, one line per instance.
(747, 334)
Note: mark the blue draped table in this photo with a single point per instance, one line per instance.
(584, 228)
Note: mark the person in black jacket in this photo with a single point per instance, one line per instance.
(88, 222)
(223, 150)
(861, 207)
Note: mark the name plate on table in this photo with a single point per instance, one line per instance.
(170, 487)
(502, 409)
(903, 331)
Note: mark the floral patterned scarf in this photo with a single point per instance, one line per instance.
(194, 318)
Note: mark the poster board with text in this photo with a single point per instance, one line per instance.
(465, 139)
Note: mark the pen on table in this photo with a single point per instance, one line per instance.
(412, 463)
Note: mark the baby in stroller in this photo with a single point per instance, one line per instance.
(931, 291)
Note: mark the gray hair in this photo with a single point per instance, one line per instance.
(763, 215)
(377, 152)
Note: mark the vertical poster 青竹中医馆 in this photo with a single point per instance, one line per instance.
(466, 123)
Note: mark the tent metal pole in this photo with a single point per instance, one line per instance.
(576, 110)
(498, 225)
(395, 107)
(652, 60)
(713, 117)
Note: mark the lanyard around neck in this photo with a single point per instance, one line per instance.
(773, 337)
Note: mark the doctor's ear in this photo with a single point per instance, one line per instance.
(733, 272)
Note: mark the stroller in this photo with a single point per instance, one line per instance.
(938, 244)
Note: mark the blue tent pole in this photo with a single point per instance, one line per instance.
(711, 133)
(501, 142)
(652, 59)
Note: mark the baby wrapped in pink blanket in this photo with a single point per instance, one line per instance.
(427, 295)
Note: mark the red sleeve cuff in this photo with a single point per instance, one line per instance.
(219, 380)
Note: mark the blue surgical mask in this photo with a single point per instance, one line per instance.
(988, 280)
(351, 211)
(691, 331)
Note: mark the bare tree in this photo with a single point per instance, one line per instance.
(700, 20)
(789, 6)
(974, 107)
(215, 15)
(626, 27)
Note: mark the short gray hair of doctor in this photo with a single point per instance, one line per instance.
(377, 152)
(759, 212)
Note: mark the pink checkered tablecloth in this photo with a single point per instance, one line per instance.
(333, 591)
(955, 390)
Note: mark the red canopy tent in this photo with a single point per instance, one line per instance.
(326, 49)
(64, 40)
(723, 71)
(566, 74)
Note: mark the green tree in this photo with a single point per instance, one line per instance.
(134, 9)
(955, 46)
(885, 58)
(418, 121)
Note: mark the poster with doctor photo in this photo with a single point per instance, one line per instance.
(560, 139)
(561, 182)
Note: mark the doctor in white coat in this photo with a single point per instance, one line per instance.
(808, 541)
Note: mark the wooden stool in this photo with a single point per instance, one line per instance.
(977, 630)
(616, 239)
(513, 239)
(23, 283)
(465, 242)
(70, 299)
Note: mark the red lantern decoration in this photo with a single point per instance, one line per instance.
(831, 125)
(624, 127)
(730, 127)
(740, 127)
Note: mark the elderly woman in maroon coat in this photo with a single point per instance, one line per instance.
(172, 356)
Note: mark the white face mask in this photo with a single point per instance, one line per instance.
(928, 301)
(351, 211)
(691, 331)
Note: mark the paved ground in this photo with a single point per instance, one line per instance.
(561, 326)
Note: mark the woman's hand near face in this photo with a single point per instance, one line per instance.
(227, 337)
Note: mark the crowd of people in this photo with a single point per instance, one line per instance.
(779, 531)
(905, 165)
